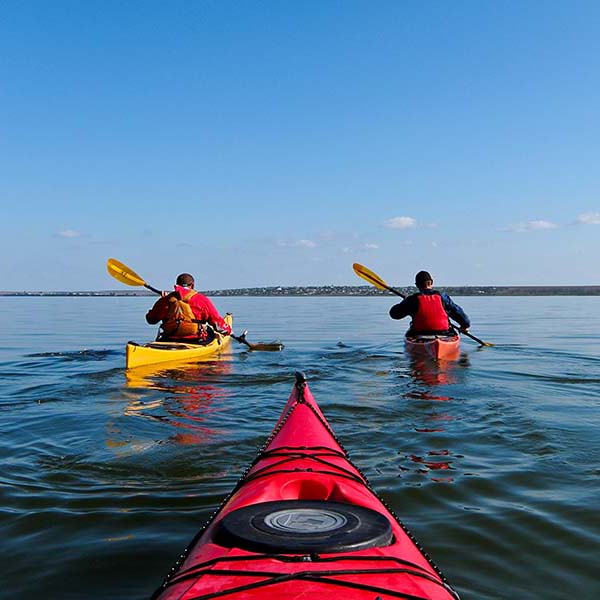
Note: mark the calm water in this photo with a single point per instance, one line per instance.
(492, 462)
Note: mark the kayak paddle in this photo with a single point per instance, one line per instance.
(128, 276)
(380, 284)
(272, 347)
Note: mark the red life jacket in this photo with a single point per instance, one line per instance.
(431, 315)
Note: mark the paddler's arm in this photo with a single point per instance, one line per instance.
(456, 312)
(157, 313)
(215, 320)
(406, 308)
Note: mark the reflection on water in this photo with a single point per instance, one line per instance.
(428, 378)
(437, 372)
(436, 462)
(182, 397)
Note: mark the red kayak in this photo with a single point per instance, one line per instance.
(434, 346)
(303, 522)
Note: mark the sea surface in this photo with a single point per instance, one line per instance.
(491, 461)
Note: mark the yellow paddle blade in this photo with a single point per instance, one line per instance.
(123, 273)
(369, 276)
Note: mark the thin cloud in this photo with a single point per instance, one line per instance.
(542, 225)
(69, 234)
(298, 244)
(591, 218)
(304, 244)
(364, 248)
(401, 223)
(336, 236)
(538, 225)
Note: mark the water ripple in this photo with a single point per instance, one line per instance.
(491, 461)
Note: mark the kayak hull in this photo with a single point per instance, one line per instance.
(434, 346)
(303, 522)
(139, 355)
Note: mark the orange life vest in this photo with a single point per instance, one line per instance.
(180, 321)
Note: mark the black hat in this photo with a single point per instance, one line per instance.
(421, 278)
(185, 279)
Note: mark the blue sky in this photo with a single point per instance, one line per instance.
(276, 143)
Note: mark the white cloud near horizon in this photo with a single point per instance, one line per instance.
(332, 236)
(536, 225)
(591, 218)
(365, 247)
(298, 244)
(401, 223)
(305, 244)
(68, 233)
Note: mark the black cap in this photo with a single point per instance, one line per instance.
(421, 278)
(185, 279)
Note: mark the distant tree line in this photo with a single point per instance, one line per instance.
(349, 290)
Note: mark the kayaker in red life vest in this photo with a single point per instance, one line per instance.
(186, 315)
(430, 310)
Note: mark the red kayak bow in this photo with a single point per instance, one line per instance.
(303, 522)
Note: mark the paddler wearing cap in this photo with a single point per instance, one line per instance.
(430, 310)
(186, 315)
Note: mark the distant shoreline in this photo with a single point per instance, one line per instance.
(332, 290)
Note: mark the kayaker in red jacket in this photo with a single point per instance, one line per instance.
(430, 310)
(186, 315)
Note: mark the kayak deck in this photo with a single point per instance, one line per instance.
(434, 346)
(138, 355)
(303, 522)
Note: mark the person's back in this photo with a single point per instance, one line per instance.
(186, 315)
(430, 309)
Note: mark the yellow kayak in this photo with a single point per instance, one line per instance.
(138, 355)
